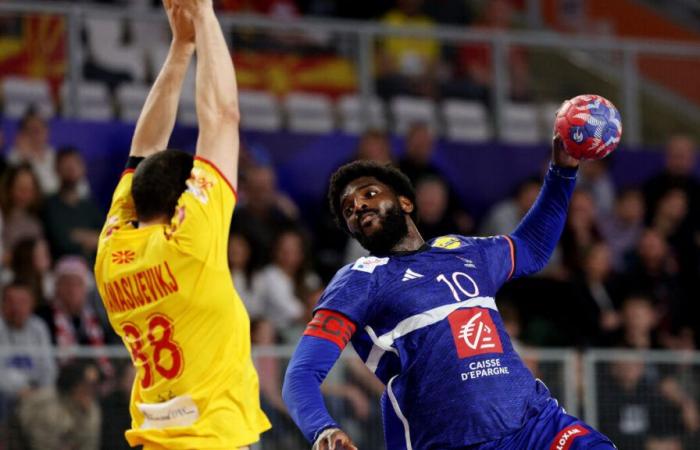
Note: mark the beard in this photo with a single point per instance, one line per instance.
(392, 229)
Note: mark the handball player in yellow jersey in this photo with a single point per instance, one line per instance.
(162, 263)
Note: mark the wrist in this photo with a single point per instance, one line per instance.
(183, 46)
(563, 171)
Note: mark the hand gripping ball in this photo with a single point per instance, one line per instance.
(589, 125)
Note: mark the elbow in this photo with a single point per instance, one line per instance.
(220, 113)
(287, 395)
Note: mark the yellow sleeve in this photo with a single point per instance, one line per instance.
(200, 225)
(121, 212)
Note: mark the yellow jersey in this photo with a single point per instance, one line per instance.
(168, 292)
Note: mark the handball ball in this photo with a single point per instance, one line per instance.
(589, 126)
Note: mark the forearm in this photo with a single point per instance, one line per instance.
(216, 97)
(159, 112)
(312, 360)
(216, 91)
(538, 233)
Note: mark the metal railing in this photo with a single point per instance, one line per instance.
(367, 34)
(596, 379)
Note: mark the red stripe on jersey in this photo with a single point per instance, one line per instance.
(215, 167)
(565, 438)
(512, 256)
(332, 326)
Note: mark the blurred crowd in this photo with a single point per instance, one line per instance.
(622, 277)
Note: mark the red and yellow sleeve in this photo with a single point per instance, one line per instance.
(202, 219)
(121, 211)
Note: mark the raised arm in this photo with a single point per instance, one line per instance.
(158, 115)
(538, 233)
(216, 92)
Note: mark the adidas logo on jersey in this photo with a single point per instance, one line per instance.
(410, 275)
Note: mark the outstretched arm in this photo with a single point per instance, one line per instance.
(158, 115)
(315, 355)
(216, 92)
(538, 233)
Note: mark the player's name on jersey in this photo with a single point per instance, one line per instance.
(140, 288)
(485, 368)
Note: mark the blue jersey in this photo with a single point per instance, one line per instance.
(428, 327)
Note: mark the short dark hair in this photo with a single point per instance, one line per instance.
(158, 183)
(387, 174)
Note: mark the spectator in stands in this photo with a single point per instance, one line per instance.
(23, 370)
(432, 201)
(282, 286)
(678, 173)
(631, 405)
(239, 260)
(72, 221)
(474, 70)
(407, 65)
(30, 264)
(596, 179)
(653, 269)
(283, 433)
(32, 147)
(417, 162)
(671, 219)
(580, 232)
(624, 227)
(70, 317)
(374, 145)
(20, 202)
(637, 324)
(507, 214)
(68, 417)
(596, 297)
(115, 408)
(263, 211)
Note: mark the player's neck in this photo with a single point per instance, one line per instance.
(411, 242)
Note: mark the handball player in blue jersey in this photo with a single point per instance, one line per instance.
(423, 318)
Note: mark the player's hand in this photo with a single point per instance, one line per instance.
(334, 439)
(560, 157)
(180, 22)
(195, 7)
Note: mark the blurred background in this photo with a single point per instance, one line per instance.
(461, 95)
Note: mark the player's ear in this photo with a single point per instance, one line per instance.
(406, 205)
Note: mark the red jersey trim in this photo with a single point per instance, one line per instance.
(512, 256)
(332, 326)
(213, 166)
(126, 171)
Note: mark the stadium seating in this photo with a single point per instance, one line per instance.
(93, 101)
(520, 124)
(355, 119)
(130, 99)
(308, 113)
(259, 111)
(466, 121)
(20, 93)
(409, 110)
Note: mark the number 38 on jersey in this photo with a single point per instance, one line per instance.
(154, 348)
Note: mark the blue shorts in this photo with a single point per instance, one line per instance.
(551, 429)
